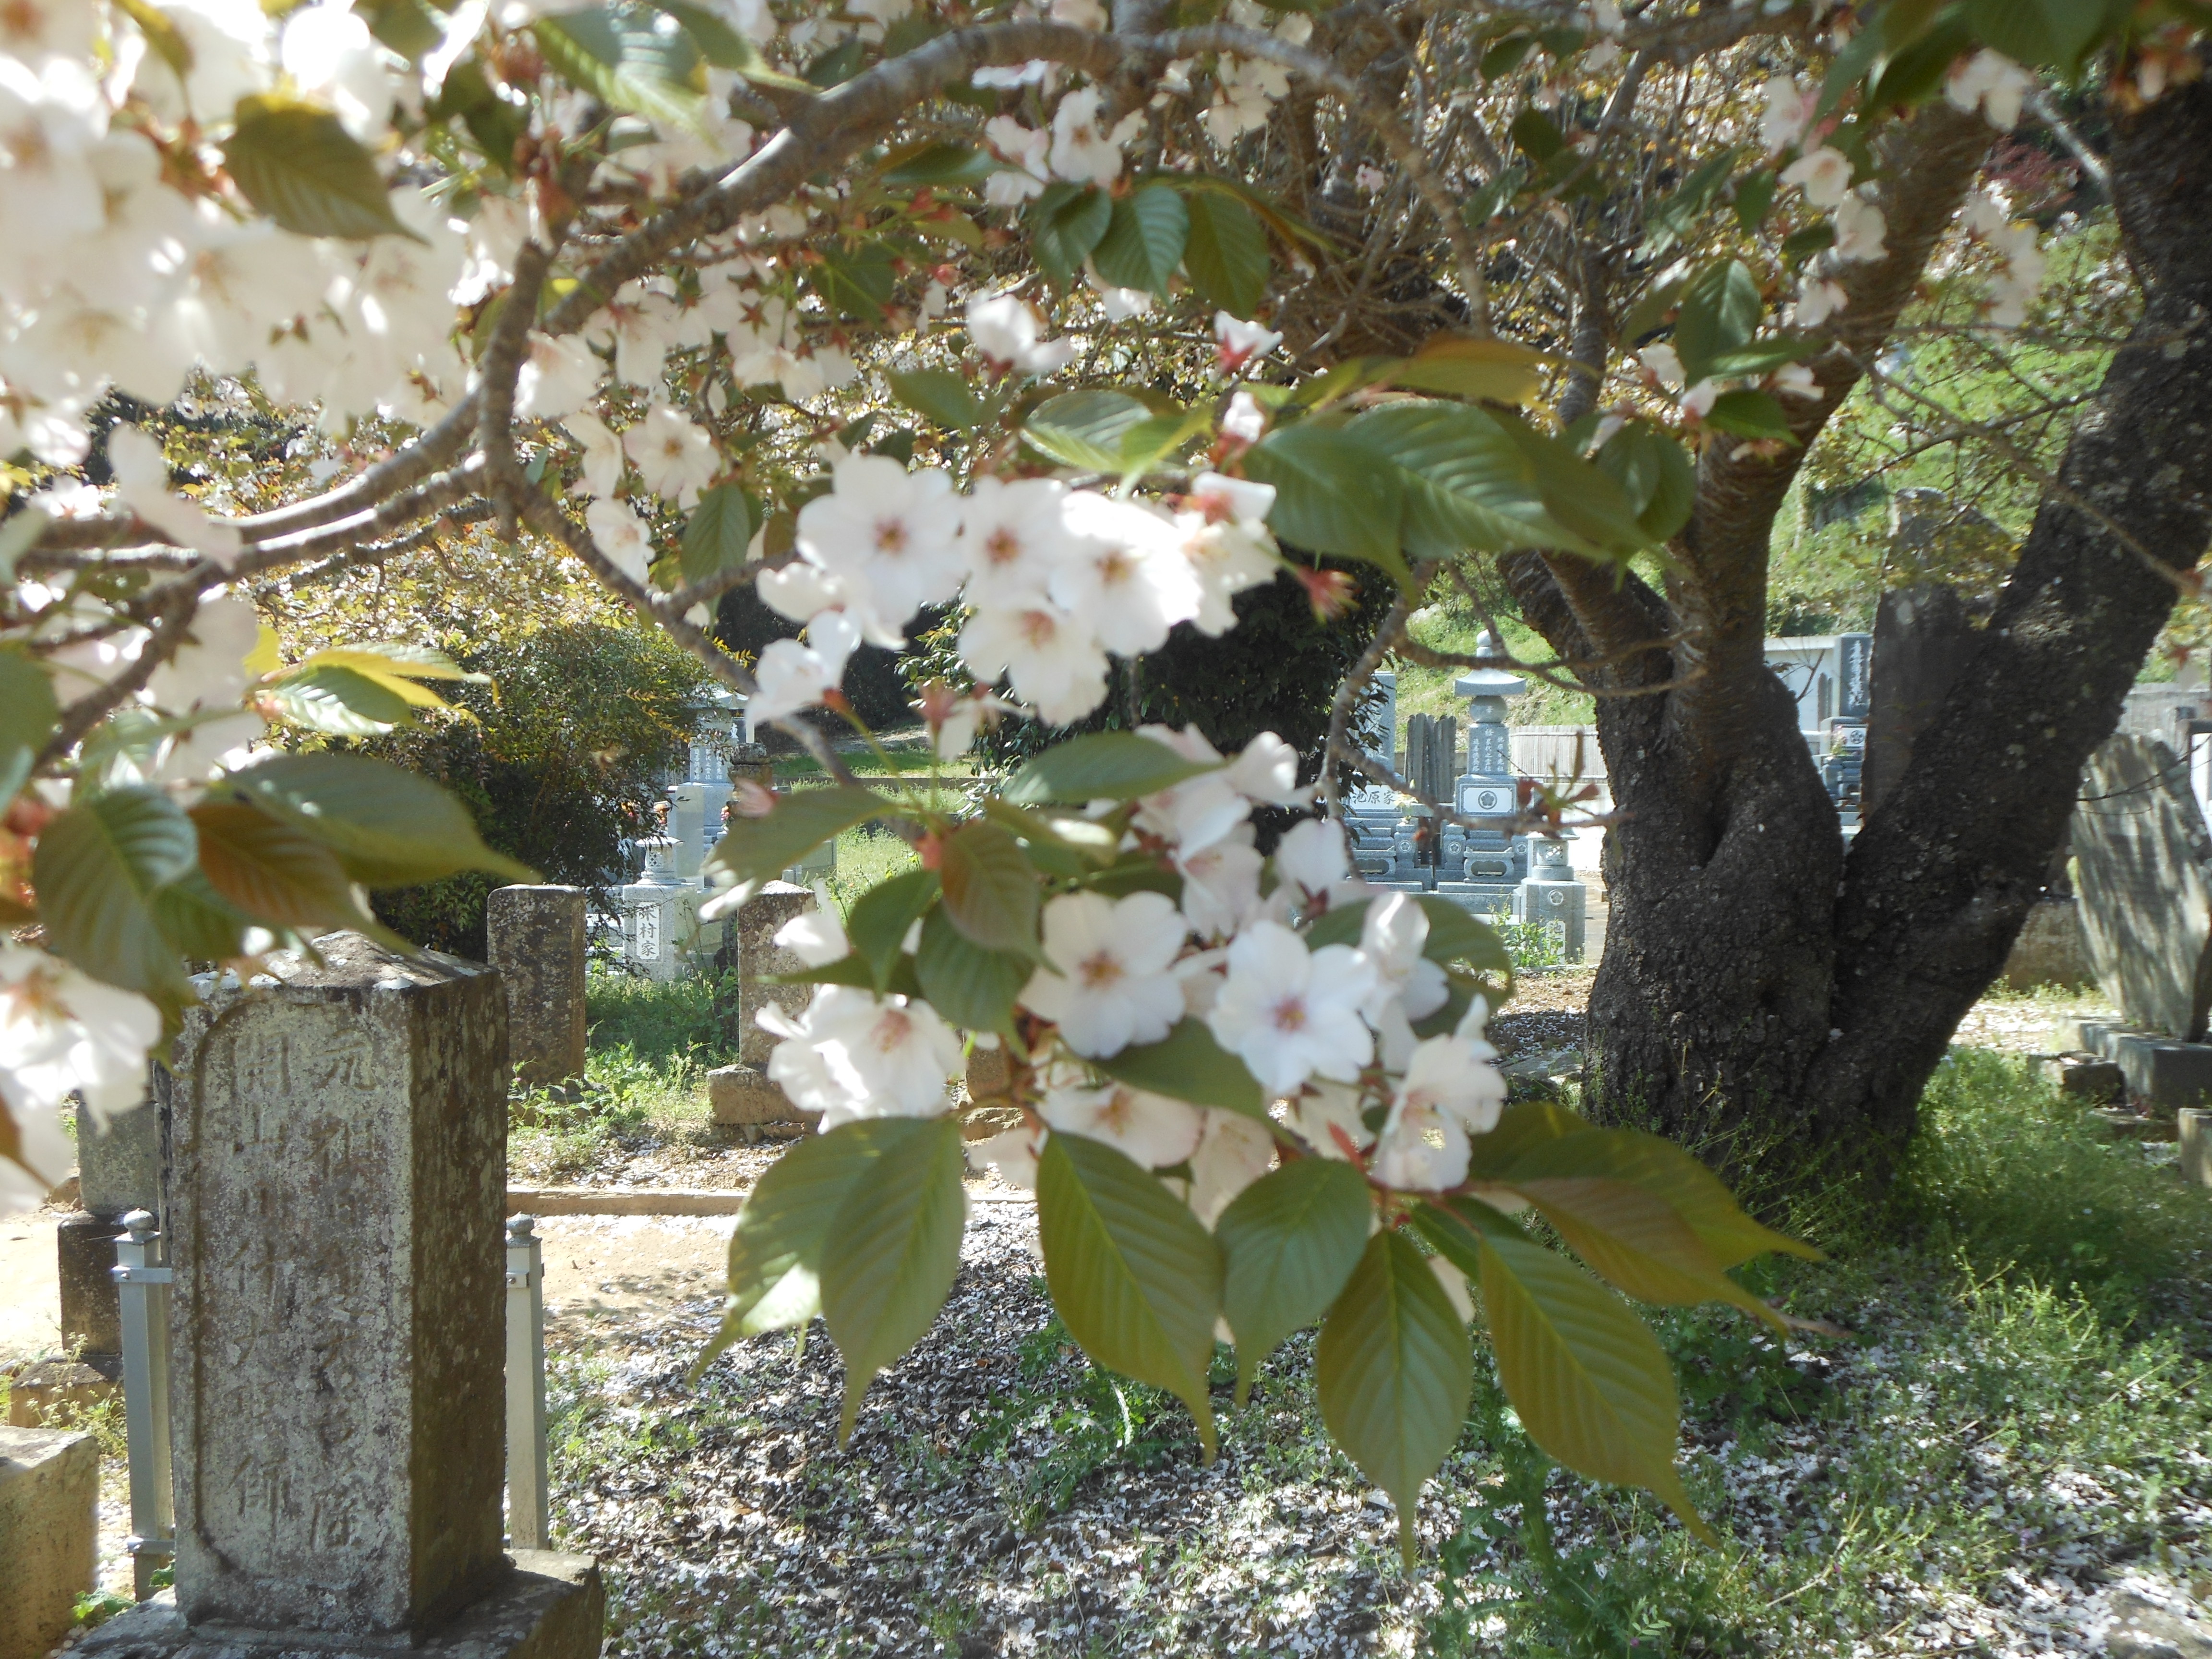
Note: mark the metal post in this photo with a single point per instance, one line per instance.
(527, 1521)
(143, 1289)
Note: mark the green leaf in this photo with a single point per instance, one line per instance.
(1586, 1376)
(1750, 413)
(1188, 1064)
(389, 828)
(877, 923)
(1135, 1277)
(1288, 1241)
(1654, 474)
(274, 873)
(297, 163)
(1225, 254)
(1066, 222)
(1720, 312)
(1464, 483)
(1101, 766)
(1675, 218)
(1335, 493)
(719, 532)
(1637, 1242)
(1454, 936)
(1145, 443)
(891, 1257)
(1483, 206)
(2054, 33)
(1086, 430)
(990, 890)
(938, 395)
(1144, 241)
(97, 867)
(762, 848)
(1754, 194)
(837, 65)
(27, 715)
(938, 162)
(964, 983)
(725, 47)
(1534, 135)
(343, 701)
(855, 281)
(1498, 370)
(1660, 1168)
(1578, 496)
(630, 59)
(1521, 1128)
(776, 1248)
(202, 926)
(1394, 1370)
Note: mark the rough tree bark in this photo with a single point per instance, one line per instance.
(1762, 997)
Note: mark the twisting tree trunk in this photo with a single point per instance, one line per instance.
(1761, 995)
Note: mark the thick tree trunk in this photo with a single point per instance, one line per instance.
(1761, 998)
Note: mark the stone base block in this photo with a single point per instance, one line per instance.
(553, 1608)
(742, 1096)
(2195, 1134)
(2161, 1072)
(2050, 948)
(2096, 1080)
(45, 1391)
(2133, 1126)
(49, 1498)
(92, 1316)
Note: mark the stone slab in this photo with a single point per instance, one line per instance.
(2049, 949)
(625, 1201)
(758, 920)
(2193, 1129)
(92, 1311)
(551, 1606)
(338, 1317)
(46, 1391)
(2162, 1074)
(2098, 1080)
(536, 940)
(2140, 858)
(744, 1096)
(119, 1167)
(49, 1534)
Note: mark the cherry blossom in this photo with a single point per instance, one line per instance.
(1024, 147)
(890, 535)
(558, 377)
(1221, 884)
(792, 676)
(1860, 228)
(1989, 81)
(1290, 1012)
(1126, 576)
(1006, 331)
(1310, 858)
(1819, 298)
(1788, 112)
(675, 457)
(1105, 980)
(1236, 343)
(625, 538)
(854, 1055)
(1146, 1128)
(1054, 663)
(63, 1032)
(1233, 1151)
(142, 480)
(1245, 421)
(1824, 174)
(1012, 538)
(1082, 152)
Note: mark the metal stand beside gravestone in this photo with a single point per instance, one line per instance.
(337, 1187)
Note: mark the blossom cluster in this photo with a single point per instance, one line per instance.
(1056, 577)
(1328, 1032)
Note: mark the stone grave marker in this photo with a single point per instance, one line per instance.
(2140, 858)
(118, 1170)
(741, 1095)
(537, 944)
(49, 1536)
(337, 1337)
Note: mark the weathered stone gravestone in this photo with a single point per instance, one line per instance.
(118, 1170)
(2141, 859)
(49, 1497)
(1921, 638)
(741, 1095)
(537, 944)
(338, 1344)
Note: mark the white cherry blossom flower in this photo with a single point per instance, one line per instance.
(1795, 380)
(792, 676)
(1012, 537)
(1392, 938)
(1233, 1151)
(1267, 770)
(1221, 884)
(1082, 152)
(625, 538)
(330, 55)
(1291, 1014)
(1120, 304)
(1024, 147)
(1860, 228)
(208, 671)
(1700, 399)
(890, 535)
(1105, 980)
(1245, 422)
(1224, 536)
(1311, 857)
(1054, 663)
(1237, 341)
(1824, 174)
(1012, 1153)
(1819, 298)
(799, 591)
(1126, 575)
(558, 377)
(816, 937)
(675, 457)
(1665, 364)
(1788, 112)
(1248, 88)
(1006, 331)
(853, 1056)
(1328, 1117)
(1146, 1128)
(64, 1032)
(1198, 812)
(603, 452)
(1993, 83)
